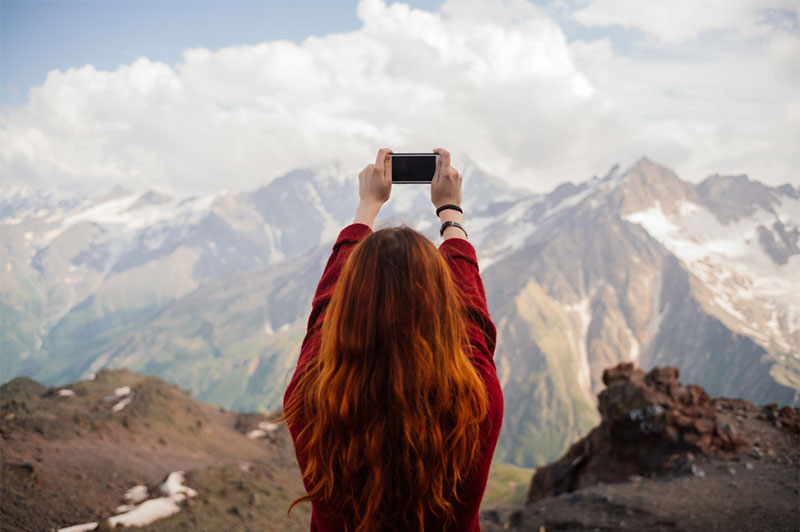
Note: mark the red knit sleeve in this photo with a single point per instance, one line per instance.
(348, 238)
(463, 262)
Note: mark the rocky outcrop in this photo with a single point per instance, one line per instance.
(651, 423)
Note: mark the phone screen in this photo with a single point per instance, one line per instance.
(413, 167)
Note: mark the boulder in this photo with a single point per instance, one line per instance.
(650, 423)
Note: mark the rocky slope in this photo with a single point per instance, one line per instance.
(76, 454)
(213, 292)
(668, 457)
(130, 448)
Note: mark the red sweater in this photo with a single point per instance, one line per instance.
(460, 256)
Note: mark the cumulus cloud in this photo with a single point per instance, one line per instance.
(678, 21)
(500, 85)
(714, 86)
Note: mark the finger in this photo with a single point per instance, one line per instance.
(444, 156)
(383, 153)
(388, 166)
(438, 171)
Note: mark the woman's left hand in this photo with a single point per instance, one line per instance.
(374, 187)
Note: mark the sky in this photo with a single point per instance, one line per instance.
(198, 96)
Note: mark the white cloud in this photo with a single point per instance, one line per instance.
(499, 84)
(678, 21)
(784, 50)
(713, 104)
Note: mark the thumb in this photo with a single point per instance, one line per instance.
(438, 170)
(388, 167)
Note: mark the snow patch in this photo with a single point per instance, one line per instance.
(127, 397)
(256, 434)
(124, 228)
(264, 428)
(585, 317)
(746, 284)
(150, 510)
(267, 426)
(330, 227)
(80, 528)
(173, 487)
(635, 350)
(122, 404)
(146, 513)
(136, 494)
(66, 393)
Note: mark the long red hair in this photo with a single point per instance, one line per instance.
(391, 405)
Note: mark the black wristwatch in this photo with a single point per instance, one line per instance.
(451, 223)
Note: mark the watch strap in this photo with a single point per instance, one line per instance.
(451, 223)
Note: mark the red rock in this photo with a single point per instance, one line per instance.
(622, 372)
(647, 421)
(674, 390)
(662, 375)
(691, 438)
(705, 443)
(790, 419)
(727, 439)
(671, 434)
(704, 426)
(696, 396)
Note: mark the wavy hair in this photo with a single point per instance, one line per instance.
(391, 405)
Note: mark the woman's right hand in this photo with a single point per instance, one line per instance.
(374, 187)
(446, 184)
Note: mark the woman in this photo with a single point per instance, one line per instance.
(395, 407)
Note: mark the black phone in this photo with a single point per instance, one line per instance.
(413, 167)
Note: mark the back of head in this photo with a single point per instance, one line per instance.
(391, 405)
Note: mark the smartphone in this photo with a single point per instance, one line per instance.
(413, 167)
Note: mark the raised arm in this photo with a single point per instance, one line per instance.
(461, 257)
(463, 263)
(445, 194)
(374, 189)
(347, 240)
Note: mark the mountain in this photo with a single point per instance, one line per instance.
(639, 266)
(79, 268)
(213, 292)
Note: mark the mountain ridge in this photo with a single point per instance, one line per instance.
(634, 266)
